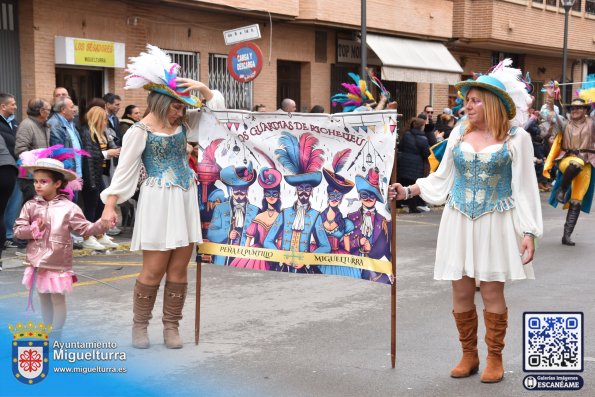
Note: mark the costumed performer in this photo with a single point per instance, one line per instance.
(167, 221)
(573, 151)
(46, 221)
(491, 217)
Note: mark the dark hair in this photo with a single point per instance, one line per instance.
(56, 177)
(317, 109)
(427, 106)
(265, 204)
(4, 97)
(260, 105)
(416, 122)
(34, 106)
(110, 97)
(338, 217)
(128, 110)
(423, 116)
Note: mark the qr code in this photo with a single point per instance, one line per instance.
(553, 342)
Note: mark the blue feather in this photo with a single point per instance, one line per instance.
(354, 77)
(289, 154)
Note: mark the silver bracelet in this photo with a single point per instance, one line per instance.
(528, 234)
(407, 193)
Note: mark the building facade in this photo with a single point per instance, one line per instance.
(418, 48)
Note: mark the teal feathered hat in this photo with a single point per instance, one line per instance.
(301, 158)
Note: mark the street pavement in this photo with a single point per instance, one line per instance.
(272, 334)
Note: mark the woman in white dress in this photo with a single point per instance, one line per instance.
(167, 221)
(491, 217)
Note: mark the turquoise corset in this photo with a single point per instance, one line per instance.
(166, 161)
(482, 183)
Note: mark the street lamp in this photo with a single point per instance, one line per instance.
(567, 4)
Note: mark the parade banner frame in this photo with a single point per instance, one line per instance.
(347, 121)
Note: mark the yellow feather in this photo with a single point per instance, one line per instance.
(588, 95)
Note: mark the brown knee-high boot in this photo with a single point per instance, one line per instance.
(173, 303)
(496, 325)
(467, 326)
(143, 302)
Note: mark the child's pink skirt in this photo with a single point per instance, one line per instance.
(49, 281)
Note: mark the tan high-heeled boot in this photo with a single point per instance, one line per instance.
(143, 303)
(173, 303)
(467, 326)
(496, 325)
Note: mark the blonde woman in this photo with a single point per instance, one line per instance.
(101, 148)
(491, 217)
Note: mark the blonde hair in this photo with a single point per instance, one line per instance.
(496, 117)
(96, 120)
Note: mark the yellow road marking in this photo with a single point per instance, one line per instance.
(78, 284)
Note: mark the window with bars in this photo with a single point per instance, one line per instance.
(7, 17)
(577, 5)
(189, 63)
(237, 95)
(590, 7)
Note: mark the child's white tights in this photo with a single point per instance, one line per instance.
(53, 311)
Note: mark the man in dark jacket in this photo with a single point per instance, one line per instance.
(8, 130)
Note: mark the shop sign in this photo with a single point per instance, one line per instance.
(84, 52)
(244, 62)
(349, 51)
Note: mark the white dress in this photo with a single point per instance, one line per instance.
(167, 215)
(486, 248)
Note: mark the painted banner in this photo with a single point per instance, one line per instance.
(300, 193)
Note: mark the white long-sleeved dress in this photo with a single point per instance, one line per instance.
(487, 247)
(167, 214)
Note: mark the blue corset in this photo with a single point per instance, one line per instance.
(482, 183)
(166, 161)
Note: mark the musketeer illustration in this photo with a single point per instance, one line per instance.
(209, 195)
(372, 234)
(335, 225)
(270, 181)
(296, 225)
(231, 219)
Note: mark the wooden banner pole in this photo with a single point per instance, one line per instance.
(197, 303)
(393, 287)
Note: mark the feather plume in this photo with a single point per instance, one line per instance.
(208, 155)
(340, 159)
(310, 158)
(267, 158)
(376, 81)
(515, 87)
(153, 66)
(356, 94)
(288, 155)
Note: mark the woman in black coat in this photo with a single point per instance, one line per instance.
(412, 160)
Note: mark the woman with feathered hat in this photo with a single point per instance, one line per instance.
(167, 217)
(336, 226)
(492, 213)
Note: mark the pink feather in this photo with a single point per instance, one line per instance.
(267, 158)
(316, 161)
(340, 159)
(373, 177)
(209, 153)
(307, 153)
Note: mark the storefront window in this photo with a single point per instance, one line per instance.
(237, 95)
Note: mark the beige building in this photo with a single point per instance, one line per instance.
(419, 48)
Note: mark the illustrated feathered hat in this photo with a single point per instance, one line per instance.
(269, 177)
(154, 71)
(335, 180)
(238, 176)
(357, 94)
(369, 184)
(302, 158)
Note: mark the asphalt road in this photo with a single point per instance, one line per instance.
(271, 334)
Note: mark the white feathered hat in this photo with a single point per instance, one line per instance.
(154, 71)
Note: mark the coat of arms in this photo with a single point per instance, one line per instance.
(30, 352)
